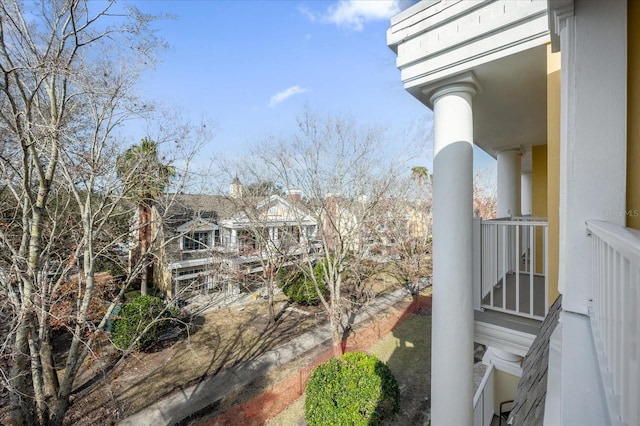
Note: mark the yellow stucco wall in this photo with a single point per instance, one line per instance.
(633, 114)
(504, 388)
(539, 196)
(553, 169)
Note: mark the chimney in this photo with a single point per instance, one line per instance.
(294, 195)
(235, 189)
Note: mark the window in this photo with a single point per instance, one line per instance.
(191, 271)
(196, 241)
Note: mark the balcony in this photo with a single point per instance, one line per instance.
(511, 255)
(614, 317)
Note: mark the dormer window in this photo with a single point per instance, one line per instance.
(196, 241)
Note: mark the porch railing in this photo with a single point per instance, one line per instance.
(483, 400)
(614, 316)
(512, 266)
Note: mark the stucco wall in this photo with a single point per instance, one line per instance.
(553, 169)
(539, 196)
(504, 388)
(633, 114)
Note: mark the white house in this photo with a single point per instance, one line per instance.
(552, 91)
(205, 237)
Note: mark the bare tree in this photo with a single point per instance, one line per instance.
(68, 69)
(339, 168)
(485, 201)
(403, 234)
(270, 237)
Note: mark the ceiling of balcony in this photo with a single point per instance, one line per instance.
(511, 110)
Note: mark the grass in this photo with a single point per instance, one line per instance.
(407, 350)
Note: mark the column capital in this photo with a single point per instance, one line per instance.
(557, 13)
(461, 83)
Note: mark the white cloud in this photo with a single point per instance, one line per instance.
(285, 94)
(354, 13)
(310, 14)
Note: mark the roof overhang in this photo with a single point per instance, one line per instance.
(501, 43)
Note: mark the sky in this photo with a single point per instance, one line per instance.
(249, 68)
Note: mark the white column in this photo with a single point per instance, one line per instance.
(526, 197)
(452, 330)
(509, 171)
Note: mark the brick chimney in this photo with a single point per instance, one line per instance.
(294, 195)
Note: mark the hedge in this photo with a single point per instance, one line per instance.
(135, 316)
(298, 287)
(357, 389)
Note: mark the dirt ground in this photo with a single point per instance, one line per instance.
(221, 338)
(407, 350)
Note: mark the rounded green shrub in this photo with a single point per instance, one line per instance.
(357, 389)
(298, 287)
(135, 316)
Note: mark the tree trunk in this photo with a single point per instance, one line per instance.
(59, 411)
(270, 281)
(50, 374)
(272, 313)
(22, 405)
(339, 343)
(144, 248)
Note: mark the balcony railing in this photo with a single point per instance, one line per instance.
(614, 316)
(483, 400)
(511, 275)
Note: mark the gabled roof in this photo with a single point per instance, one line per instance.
(186, 207)
(272, 209)
(187, 210)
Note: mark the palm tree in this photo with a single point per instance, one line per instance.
(421, 175)
(145, 178)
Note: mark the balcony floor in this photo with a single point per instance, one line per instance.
(539, 301)
(505, 320)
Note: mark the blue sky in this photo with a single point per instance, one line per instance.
(249, 68)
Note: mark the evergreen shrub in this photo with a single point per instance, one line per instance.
(357, 389)
(298, 287)
(135, 316)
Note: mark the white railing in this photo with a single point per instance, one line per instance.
(615, 320)
(513, 266)
(483, 400)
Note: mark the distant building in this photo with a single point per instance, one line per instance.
(202, 238)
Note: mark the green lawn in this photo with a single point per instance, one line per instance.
(407, 349)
